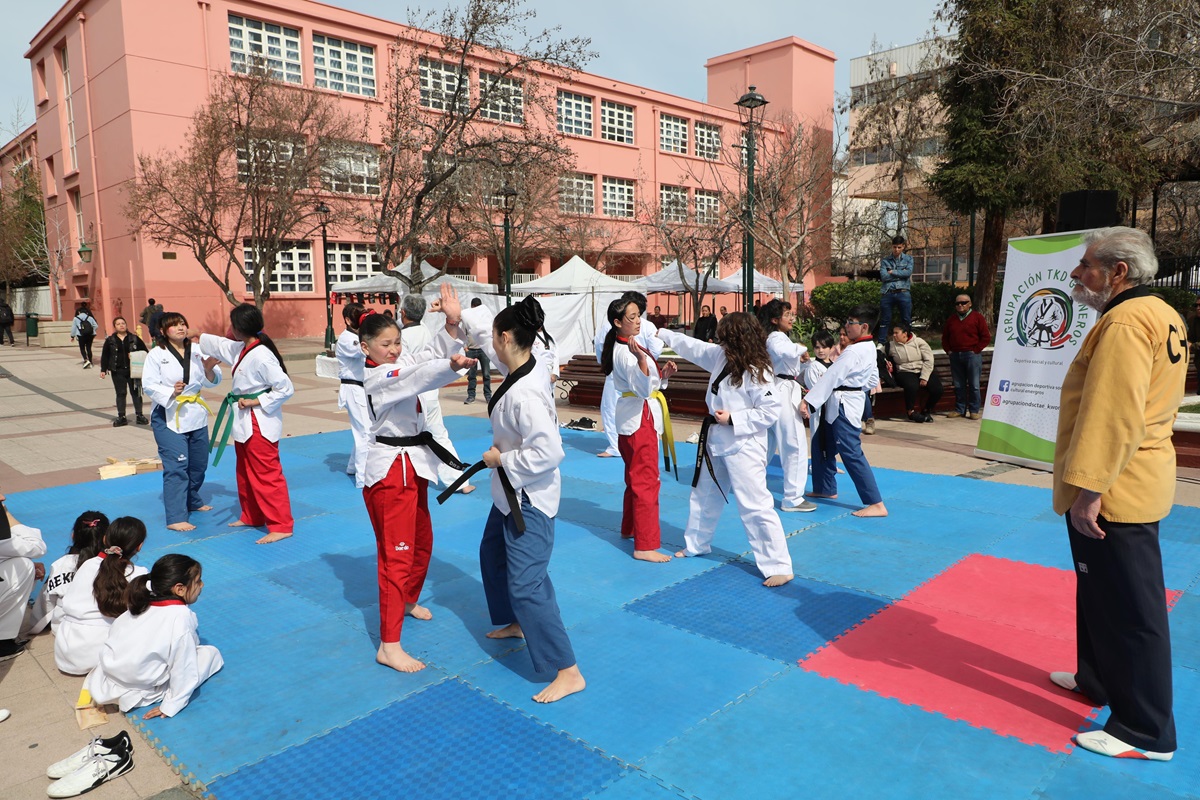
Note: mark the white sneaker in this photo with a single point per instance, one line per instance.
(1106, 744)
(95, 747)
(1065, 679)
(803, 506)
(97, 770)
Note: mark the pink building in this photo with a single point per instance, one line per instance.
(114, 78)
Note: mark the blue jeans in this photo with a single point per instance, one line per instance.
(484, 368)
(965, 368)
(888, 301)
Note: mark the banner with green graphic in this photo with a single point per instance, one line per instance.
(1038, 334)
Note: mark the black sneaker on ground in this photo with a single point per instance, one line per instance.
(120, 422)
(468, 401)
(10, 648)
(141, 420)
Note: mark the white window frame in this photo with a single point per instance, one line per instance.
(69, 109)
(616, 122)
(708, 141)
(577, 194)
(503, 98)
(708, 206)
(440, 82)
(76, 197)
(672, 134)
(351, 168)
(617, 197)
(279, 153)
(277, 47)
(293, 273)
(341, 65)
(673, 203)
(351, 261)
(575, 113)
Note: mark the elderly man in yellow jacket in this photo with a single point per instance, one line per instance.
(1114, 478)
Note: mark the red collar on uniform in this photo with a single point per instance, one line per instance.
(624, 340)
(863, 339)
(169, 602)
(371, 363)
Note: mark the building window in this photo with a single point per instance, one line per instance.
(616, 122)
(343, 66)
(577, 194)
(351, 168)
(76, 200)
(503, 98)
(350, 261)
(618, 197)
(293, 268)
(672, 201)
(68, 108)
(672, 134)
(39, 82)
(254, 42)
(266, 161)
(50, 182)
(708, 141)
(708, 206)
(574, 114)
(442, 86)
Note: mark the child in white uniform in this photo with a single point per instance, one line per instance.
(649, 340)
(787, 361)
(86, 538)
(351, 395)
(514, 554)
(97, 596)
(19, 545)
(742, 406)
(153, 654)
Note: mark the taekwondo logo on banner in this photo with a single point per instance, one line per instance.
(1038, 334)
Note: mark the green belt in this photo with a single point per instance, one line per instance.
(223, 435)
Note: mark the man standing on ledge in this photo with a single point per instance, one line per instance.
(895, 273)
(964, 337)
(1114, 478)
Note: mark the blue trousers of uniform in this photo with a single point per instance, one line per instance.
(518, 588)
(184, 459)
(841, 437)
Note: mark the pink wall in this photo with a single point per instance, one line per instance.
(147, 70)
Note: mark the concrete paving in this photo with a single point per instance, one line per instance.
(56, 429)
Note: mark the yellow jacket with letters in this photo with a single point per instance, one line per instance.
(1118, 406)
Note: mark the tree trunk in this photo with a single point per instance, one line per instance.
(989, 264)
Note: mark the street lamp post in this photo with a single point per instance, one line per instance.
(509, 195)
(954, 250)
(750, 109)
(323, 213)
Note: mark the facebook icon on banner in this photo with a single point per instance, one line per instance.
(1004, 385)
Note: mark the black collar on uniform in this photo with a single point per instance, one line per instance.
(1128, 294)
(184, 360)
(510, 381)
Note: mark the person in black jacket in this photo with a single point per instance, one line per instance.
(706, 326)
(114, 358)
(6, 322)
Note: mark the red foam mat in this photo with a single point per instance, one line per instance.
(974, 644)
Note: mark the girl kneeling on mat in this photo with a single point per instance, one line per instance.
(402, 459)
(517, 542)
(153, 654)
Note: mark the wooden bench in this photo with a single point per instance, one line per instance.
(889, 403)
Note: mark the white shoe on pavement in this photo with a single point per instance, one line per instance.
(1106, 744)
(97, 770)
(97, 746)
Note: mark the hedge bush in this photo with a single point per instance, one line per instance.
(1179, 299)
(932, 302)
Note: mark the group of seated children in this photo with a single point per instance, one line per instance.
(127, 629)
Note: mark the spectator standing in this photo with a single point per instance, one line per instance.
(706, 326)
(658, 318)
(1194, 328)
(83, 330)
(148, 313)
(913, 360)
(115, 358)
(895, 275)
(964, 337)
(6, 322)
(483, 366)
(1114, 480)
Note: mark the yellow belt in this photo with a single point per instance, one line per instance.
(189, 398)
(668, 436)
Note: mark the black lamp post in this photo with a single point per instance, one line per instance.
(750, 109)
(954, 250)
(509, 195)
(323, 213)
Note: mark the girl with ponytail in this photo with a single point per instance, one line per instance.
(351, 395)
(86, 538)
(153, 653)
(255, 417)
(788, 361)
(98, 595)
(518, 539)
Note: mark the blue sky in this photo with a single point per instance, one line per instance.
(657, 43)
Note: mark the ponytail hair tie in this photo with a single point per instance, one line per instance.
(258, 335)
(364, 315)
(91, 523)
(113, 551)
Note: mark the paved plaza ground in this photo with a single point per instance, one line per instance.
(908, 659)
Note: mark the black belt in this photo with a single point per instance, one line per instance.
(703, 458)
(787, 377)
(849, 388)
(423, 439)
(351, 382)
(514, 503)
(891, 291)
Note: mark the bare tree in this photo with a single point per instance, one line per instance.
(471, 92)
(241, 189)
(46, 251)
(701, 238)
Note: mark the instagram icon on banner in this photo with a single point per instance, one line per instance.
(995, 399)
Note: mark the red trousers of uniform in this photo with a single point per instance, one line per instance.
(639, 450)
(262, 489)
(399, 509)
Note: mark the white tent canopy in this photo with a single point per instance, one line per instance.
(573, 277)
(379, 282)
(762, 283)
(668, 279)
(429, 271)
